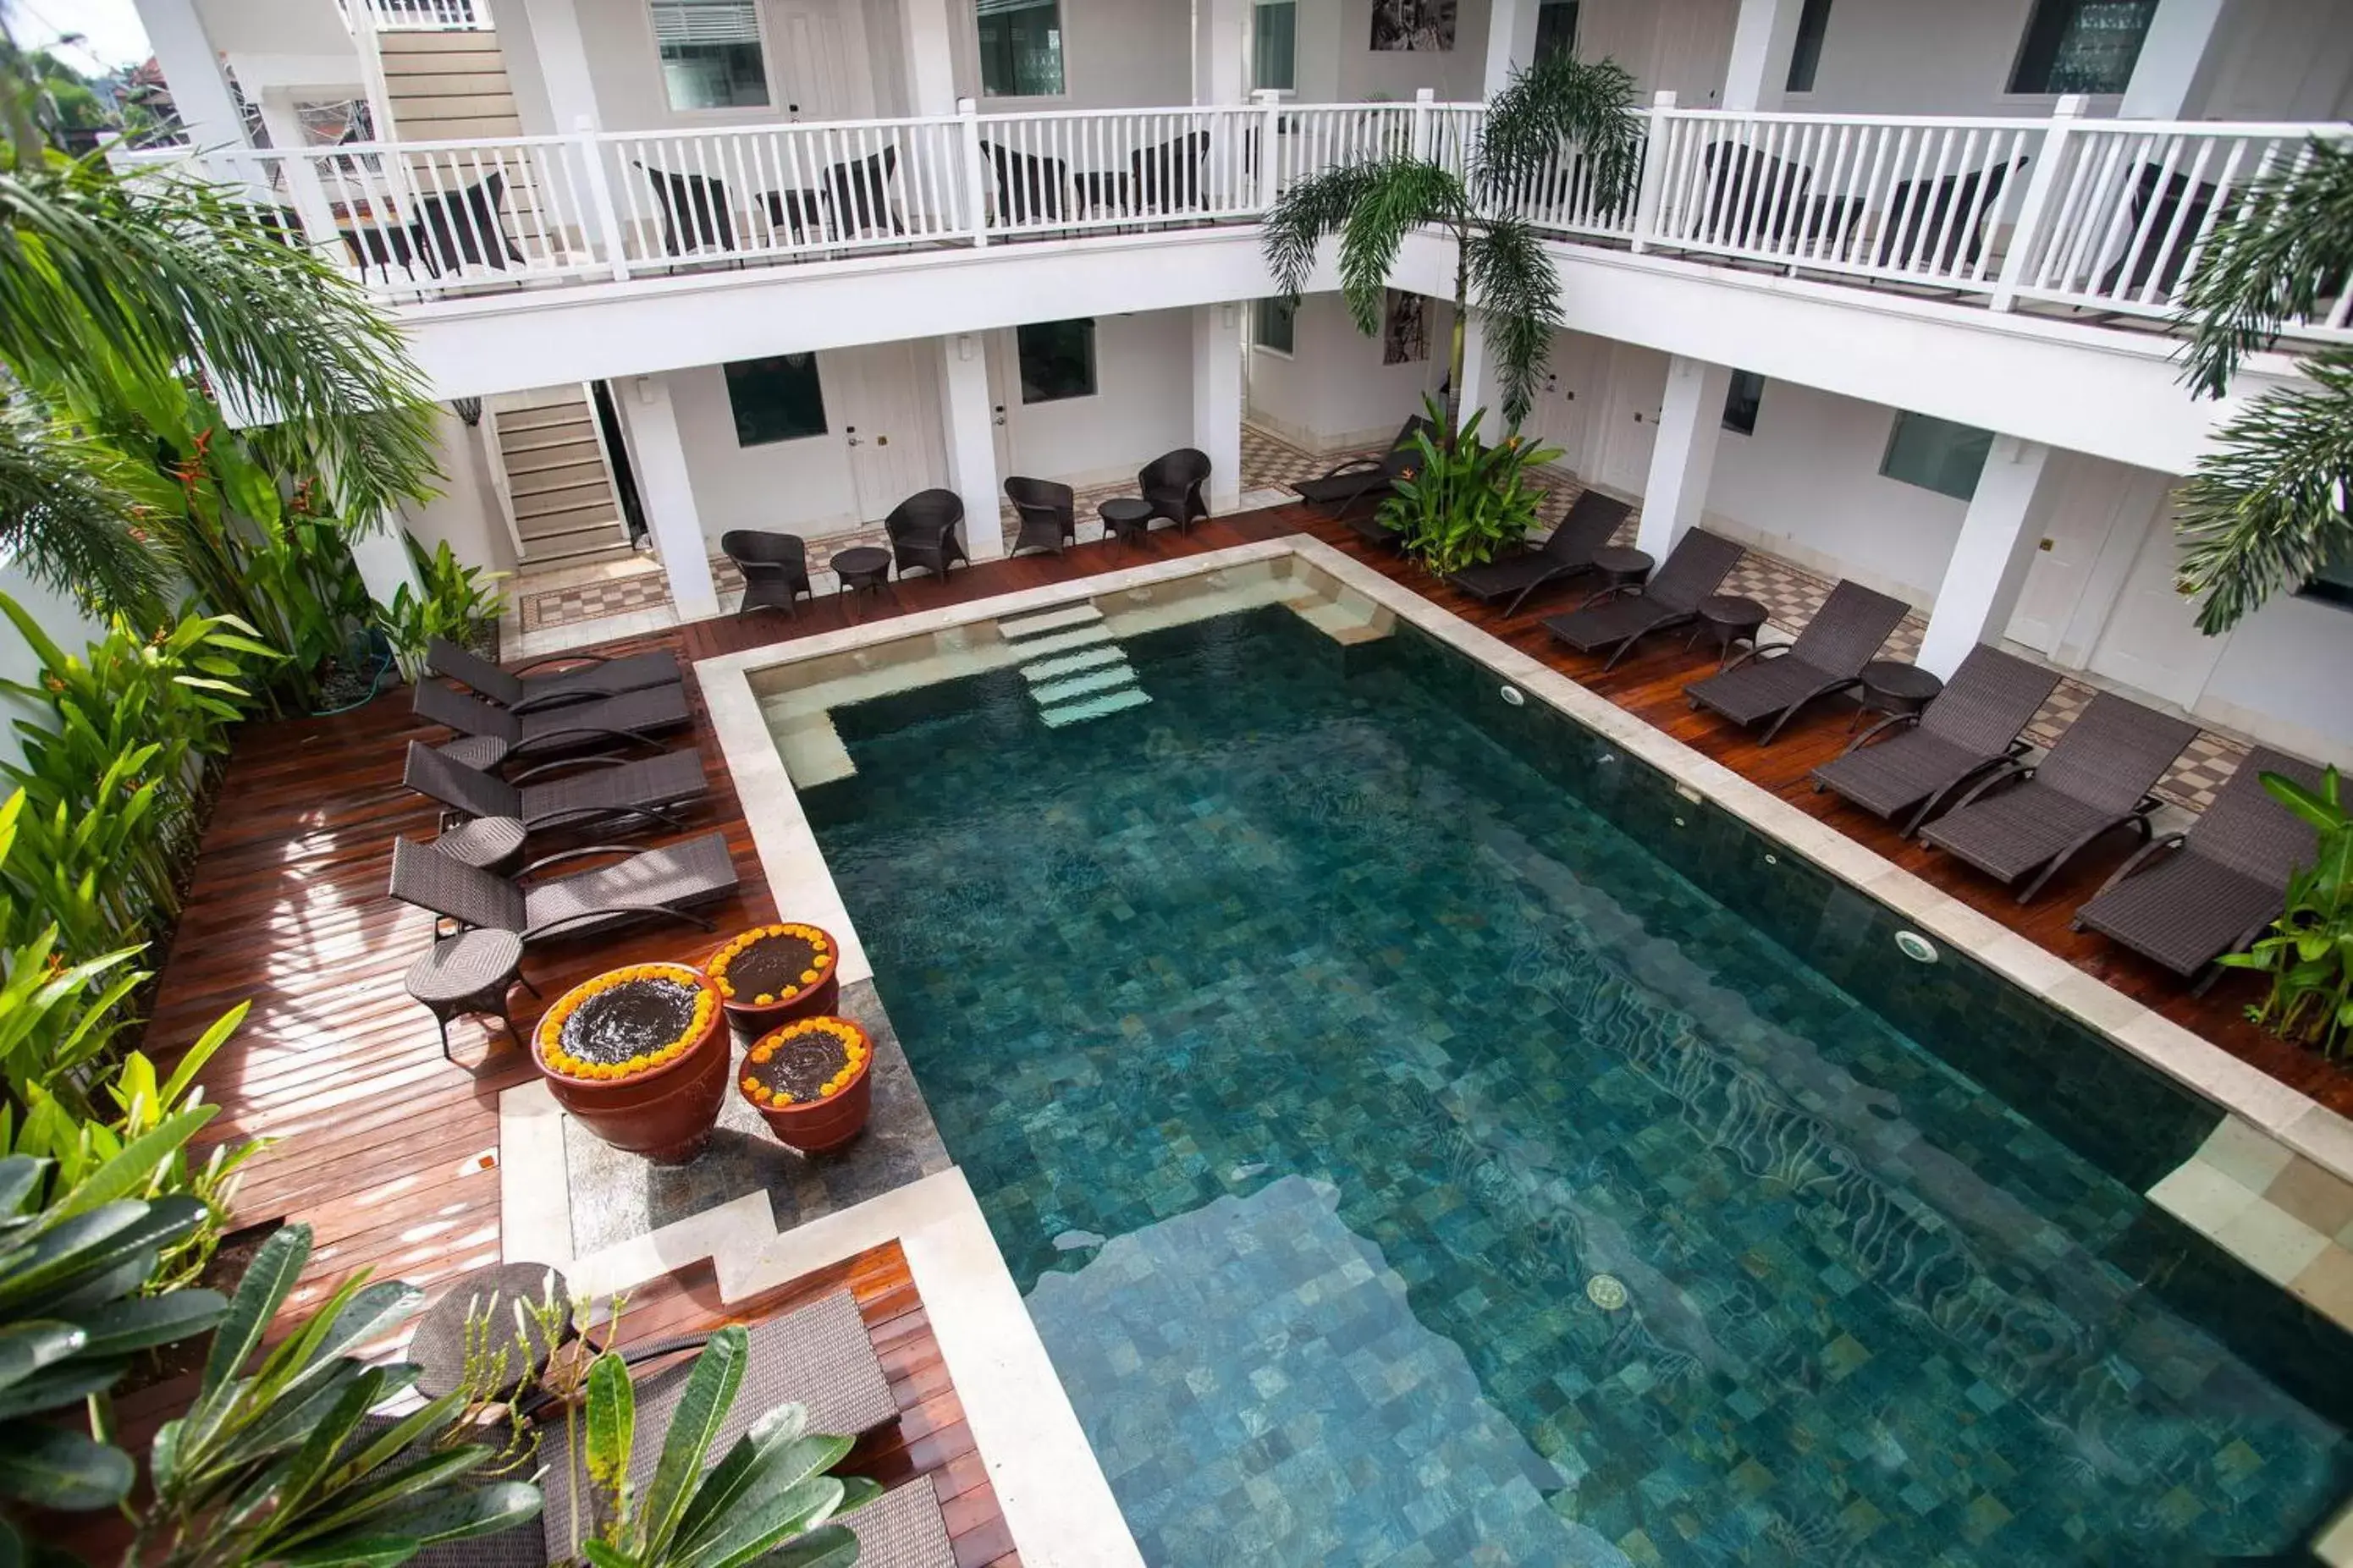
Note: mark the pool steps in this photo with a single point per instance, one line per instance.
(1071, 664)
(1090, 679)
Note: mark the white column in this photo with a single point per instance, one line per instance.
(2176, 65)
(924, 31)
(1690, 418)
(1477, 382)
(968, 418)
(1221, 48)
(192, 68)
(666, 487)
(563, 53)
(382, 556)
(1217, 400)
(1763, 40)
(1990, 561)
(1511, 41)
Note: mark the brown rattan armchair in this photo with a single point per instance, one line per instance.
(922, 531)
(1049, 513)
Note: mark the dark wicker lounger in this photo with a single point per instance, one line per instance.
(519, 692)
(2187, 899)
(1618, 618)
(1972, 725)
(1565, 552)
(1351, 491)
(647, 789)
(1773, 683)
(2097, 777)
(646, 884)
(542, 732)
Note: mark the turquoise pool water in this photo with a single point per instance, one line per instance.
(1424, 1137)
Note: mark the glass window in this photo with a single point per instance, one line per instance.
(2081, 46)
(1935, 454)
(1557, 30)
(1058, 359)
(1021, 48)
(711, 53)
(776, 399)
(2334, 582)
(1748, 390)
(1275, 46)
(1807, 56)
(1273, 324)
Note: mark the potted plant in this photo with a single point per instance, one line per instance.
(809, 1080)
(773, 972)
(640, 1057)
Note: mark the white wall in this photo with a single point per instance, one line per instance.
(627, 70)
(2283, 59)
(1143, 403)
(467, 512)
(791, 486)
(62, 619)
(274, 28)
(1115, 53)
(2282, 675)
(1332, 393)
(1337, 64)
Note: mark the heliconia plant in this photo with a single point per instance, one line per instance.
(1461, 505)
(2309, 952)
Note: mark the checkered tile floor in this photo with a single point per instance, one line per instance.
(1791, 598)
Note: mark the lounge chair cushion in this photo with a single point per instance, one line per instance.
(2183, 909)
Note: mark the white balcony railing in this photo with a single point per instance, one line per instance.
(2063, 213)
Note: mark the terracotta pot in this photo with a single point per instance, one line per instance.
(817, 1001)
(826, 1124)
(664, 1113)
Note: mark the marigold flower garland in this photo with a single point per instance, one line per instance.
(856, 1051)
(820, 962)
(568, 1064)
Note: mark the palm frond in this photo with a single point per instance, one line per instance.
(2268, 508)
(1518, 297)
(1402, 196)
(1587, 105)
(2285, 251)
(66, 523)
(1295, 226)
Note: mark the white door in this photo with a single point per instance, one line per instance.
(889, 398)
(1630, 432)
(1694, 49)
(1004, 393)
(1571, 410)
(2152, 641)
(820, 66)
(2088, 548)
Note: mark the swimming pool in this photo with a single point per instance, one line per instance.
(1425, 1135)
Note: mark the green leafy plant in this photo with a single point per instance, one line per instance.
(457, 603)
(1501, 269)
(2309, 952)
(1459, 506)
(768, 1500)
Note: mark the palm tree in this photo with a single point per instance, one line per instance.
(1500, 267)
(2268, 508)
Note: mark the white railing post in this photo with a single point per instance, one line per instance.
(2034, 212)
(310, 204)
(1650, 191)
(975, 168)
(1270, 161)
(1424, 124)
(582, 145)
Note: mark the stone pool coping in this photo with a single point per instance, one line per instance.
(798, 875)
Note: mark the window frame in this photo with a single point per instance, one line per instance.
(767, 67)
(1259, 314)
(980, 63)
(1895, 434)
(1755, 402)
(1813, 30)
(1575, 27)
(2038, 32)
(1094, 360)
(735, 414)
(1290, 87)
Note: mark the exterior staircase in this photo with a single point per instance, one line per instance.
(1076, 671)
(558, 482)
(444, 86)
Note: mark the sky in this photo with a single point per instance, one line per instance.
(112, 27)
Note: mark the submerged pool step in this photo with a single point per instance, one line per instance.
(1094, 635)
(1096, 707)
(1047, 670)
(1103, 679)
(1017, 628)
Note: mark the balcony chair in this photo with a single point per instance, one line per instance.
(466, 228)
(1753, 197)
(775, 568)
(1616, 618)
(1028, 187)
(650, 884)
(549, 732)
(2185, 899)
(648, 789)
(589, 674)
(1172, 484)
(1969, 727)
(2036, 817)
(2152, 258)
(1916, 213)
(1769, 685)
(852, 199)
(1362, 480)
(694, 212)
(1566, 552)
(1049, 514)
(1166, 178)
(922, 531)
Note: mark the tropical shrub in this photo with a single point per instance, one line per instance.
(458, 602)
(1460, 507)
(768, 1500)
(2309, 952)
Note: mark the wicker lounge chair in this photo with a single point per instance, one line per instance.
(545, 732)
(1049, 514)
(649, 884)
(1972, 725)
(647, 788)
(1616, 618)
(1367, 482)
(1171, 484)
(922, 531)
(519, 692)
(2037, 818)
(1565, 552)
(775, 568)
(2185, 899)
(1769, 685)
